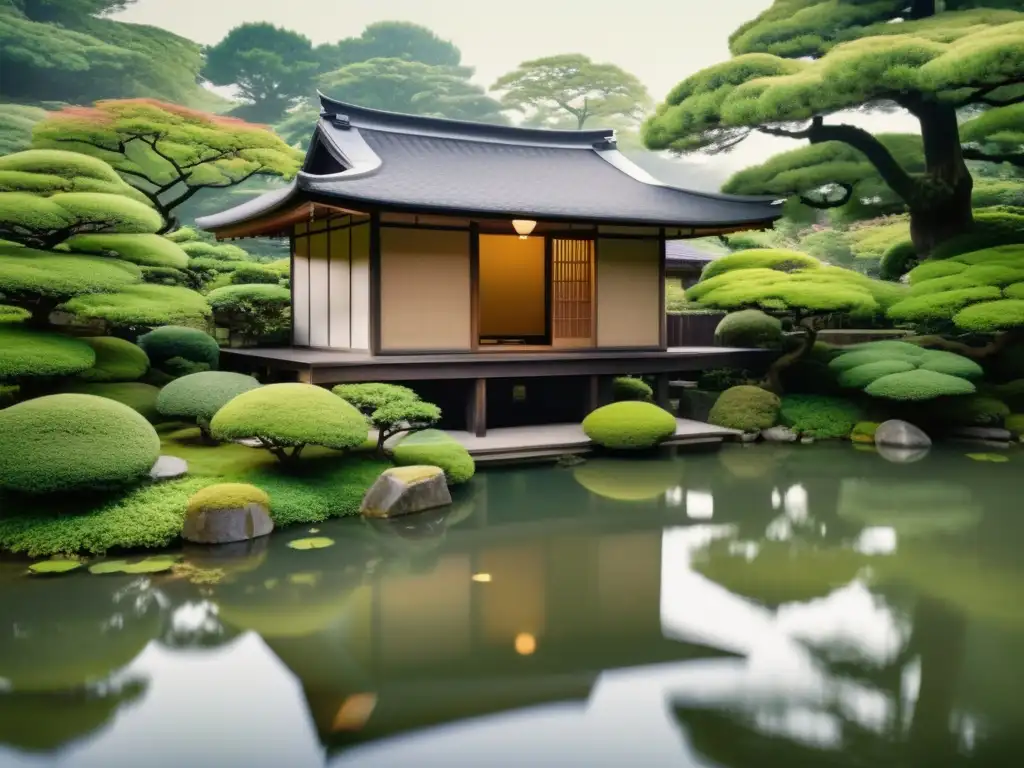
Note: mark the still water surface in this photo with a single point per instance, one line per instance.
(762, 606)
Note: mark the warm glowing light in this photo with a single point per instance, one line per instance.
(483, 578)
(354, 712)
(523, 227)
(525, 644)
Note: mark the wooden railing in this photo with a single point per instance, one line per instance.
(692, 330)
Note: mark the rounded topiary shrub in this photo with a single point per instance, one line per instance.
(140, 397)
(291, 415)
(629, 425)
(749, 328)
(745, 407)
(254, 275)
(71, 442)
(116, 360)
(631, 388)
(26, 354)
(170, 341)
(819, 416)
(864, 432)
(918, 385)
(199, 396)
(434, 448)
(897, 260)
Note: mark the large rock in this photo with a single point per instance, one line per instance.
(779, 434)
(901, 434)
(168, 468)
(406, 490)
(227, 525)
(995, 434)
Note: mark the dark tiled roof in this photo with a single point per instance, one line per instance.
(681, 251)
(423, 164)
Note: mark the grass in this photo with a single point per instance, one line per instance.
(324, 484)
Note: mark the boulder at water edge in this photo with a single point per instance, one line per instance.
(225, 513)
(779, 434)
(901, 434)
(406, 490)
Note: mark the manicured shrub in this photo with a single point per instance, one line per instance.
(629, 425)
(227, 496)
(254, 275)
(864, 432)
(371, 396)
(140, 397)
(720, 379)
(866, 364)
(179, 366)
(142, 304)
(391, 409)
(434, 448)
(992, 316)
(747, 408)
(818, 415)
(199, 396)
(116, 360)
(1015, 423)
(144, 250)
(291, 416)
(70, 442)
(1011, 393)
(162, 344)
(860, 376)
(13, 315)
(631, 388)
(974, 411)
(256, 312)
(750, 328)
(918, 385)
(897, 260)
(29, 354)
(989, 230)
(764, 258)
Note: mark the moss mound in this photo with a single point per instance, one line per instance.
(291, 415)
(862, 375)
(749, 328)
(170, 341)
(1014, 423)
(70, 442)
(200, 395)
(227, 496)
(434, 448)
(864, 432)
(897, 260)
(631, 388)
(871, 367)
(37, 354)
(744, 407)
(629, 425)
(819, 416)
(141, 398)
(117, 360)
(918, 385)
(974, 411)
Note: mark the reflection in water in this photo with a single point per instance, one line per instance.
(754, 607)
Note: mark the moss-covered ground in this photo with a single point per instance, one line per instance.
(322, 485)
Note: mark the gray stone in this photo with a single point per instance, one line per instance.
(224, 526)
(901, 455)
(901, 434)
(749, 437)
(806, 440)
(406, 490)
(779, 434)
(169, 468)
(983, 433)
(250, 442)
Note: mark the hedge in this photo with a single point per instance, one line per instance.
(819, 416)
(144, 304)
(26, 353)
(199, 396)
(749, 328)
(432, 447)
(631, 388)
(255, 275)
(70, 442)
(172, 341)
(629, 425)
(746, 408)
(140, 397)
(116, 360)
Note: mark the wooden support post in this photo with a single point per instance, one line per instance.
(599, 392)
(306, 375)
(661, 391)
(476, 408)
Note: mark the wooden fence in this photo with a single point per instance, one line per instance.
(692, 330)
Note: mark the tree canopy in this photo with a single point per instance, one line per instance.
(802, 61)
(16, 121)
(272, 68)
(390, 40)
(169, 153)
(996, 135)
(570, 84)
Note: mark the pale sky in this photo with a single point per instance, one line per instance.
(660, 41)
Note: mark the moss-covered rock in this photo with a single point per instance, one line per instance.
(631, 388)
(138, 396)
(749, 328)
(432, 447)
(162, 344)
(198, 396)
(226, 513)
(918, 385)
(819, 416)
(227, 496)
(864, 432)
(116, 360)
(70, 442)
(629, 425)
(745, 407)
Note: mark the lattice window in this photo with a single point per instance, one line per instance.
(572, 288)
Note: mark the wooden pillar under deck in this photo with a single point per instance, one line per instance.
(476, 408)
(661, 391)
(599, 392)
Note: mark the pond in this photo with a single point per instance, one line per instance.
(758, 606)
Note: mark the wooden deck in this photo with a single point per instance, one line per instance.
(553, 440)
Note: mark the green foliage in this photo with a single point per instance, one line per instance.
(749, 328)
(391, 40)
(974, 411)
(16, 121)
(434, 448)
(165, 276)
(631, 388)
(571, 83)
(990, 229)
(721, 379)
(43, 222)
(861, 375)
(227, 496)
(918, 385)
(116, 360)
(1011, 393)
(828, 245)
(819, 416)
(70, 442)
(140, 397)
(27, 274)
(48, 172)
(200, 249)
(12, 315)
(200, 395)
(745, 241)
(254, 311)
(629, 425)
(145, 250)
(991, 317)
(145, 305)
(897, 260)
(179, 366)
(760, 258)
(988, 193)
(745, 407)
(1015, 424)
(369, 397)
(390, 408)
(864, 432)
(998, 131)
(291, 415)
(163, 344)
(254, 275)
(30, 354)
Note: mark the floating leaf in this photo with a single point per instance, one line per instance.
(111, 566)
(54, 566)
(997, 458)
(157, 564)
(314, 530)
(318, 542)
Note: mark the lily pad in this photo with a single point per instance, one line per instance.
(54, 566)
(157, 564)
(317, 542)
(997, 458)
(111, 566)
